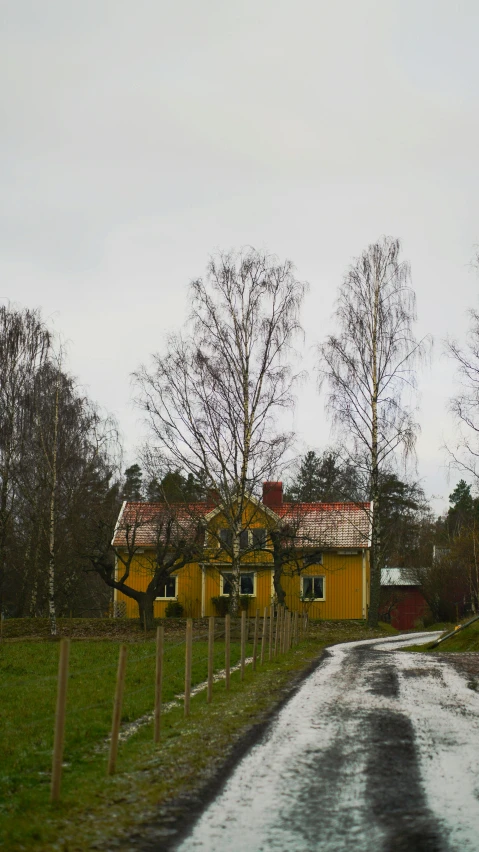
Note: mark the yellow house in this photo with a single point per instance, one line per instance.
(324, 567)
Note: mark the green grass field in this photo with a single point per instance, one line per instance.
(463, 640)
(92, 805)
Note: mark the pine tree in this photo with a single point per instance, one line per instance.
(133, 486)
(324, 478)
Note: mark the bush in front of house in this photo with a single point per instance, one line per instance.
(221, 605)
(174, 609)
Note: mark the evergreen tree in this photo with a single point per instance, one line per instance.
(133, 485)
(463, 510)
(324, 478)
(154, 492)
(175, 488)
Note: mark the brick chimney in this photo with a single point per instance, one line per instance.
(272, 494)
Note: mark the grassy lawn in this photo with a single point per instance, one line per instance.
(95, 808)
(463, 640)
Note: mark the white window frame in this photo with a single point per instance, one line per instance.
(245, 571)
(170, 598)
(312, 576)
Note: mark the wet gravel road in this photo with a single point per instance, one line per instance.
(377, 751)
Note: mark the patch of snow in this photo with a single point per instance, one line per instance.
(131, 728)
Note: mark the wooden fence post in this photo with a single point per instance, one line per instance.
(211, 652)
(276, 633)
(263, 637)
(283, 631)
(243, 642)
(116, 721)
(227, 650)
(160, 634)
(60, 719)
(255, 639)
(188, 656)
(295, 629)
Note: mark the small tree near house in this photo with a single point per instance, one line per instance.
(178, 535)
(289, 555)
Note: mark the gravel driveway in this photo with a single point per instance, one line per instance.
(378, 750)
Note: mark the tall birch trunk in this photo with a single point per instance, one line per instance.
(375, 566)
(51, 537)
(236, 570)
(476, 602)
(4, 518)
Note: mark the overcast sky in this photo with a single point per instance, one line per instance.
(140, 135)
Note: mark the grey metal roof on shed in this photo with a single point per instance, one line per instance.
(398, 577)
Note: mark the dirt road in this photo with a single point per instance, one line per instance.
(377, 751)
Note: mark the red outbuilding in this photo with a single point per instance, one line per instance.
(402, 601)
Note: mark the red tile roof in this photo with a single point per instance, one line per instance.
(144, 521)
(327, 525)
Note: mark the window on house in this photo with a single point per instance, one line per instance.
(226, 538)
(246, 583)
(259, 538)
(313, 588)
(169, 589)
(244, 539)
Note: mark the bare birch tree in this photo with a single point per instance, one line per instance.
(214, 398)
(465, 405)
(369, 367)
(24, 347)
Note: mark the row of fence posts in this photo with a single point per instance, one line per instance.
(281, 630)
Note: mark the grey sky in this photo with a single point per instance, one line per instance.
(138, 136)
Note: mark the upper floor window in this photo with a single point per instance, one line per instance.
(258, 536)
(226, 538)
(251, 539)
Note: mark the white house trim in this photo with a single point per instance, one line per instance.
(117, 525)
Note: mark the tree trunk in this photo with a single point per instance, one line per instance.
(278, 589)
(146, 610)
(34, 597)
(475, 595)
(236, 571)
(375, 567)
(51, 541)
(4, 518)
